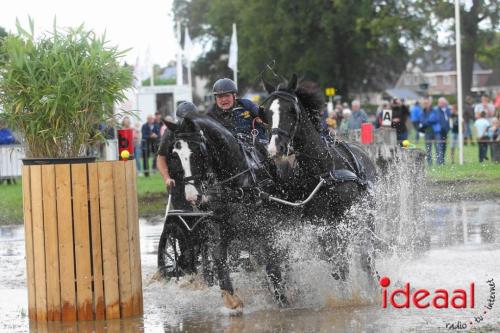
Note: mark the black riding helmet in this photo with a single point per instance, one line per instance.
(224, 86)
(184, 108)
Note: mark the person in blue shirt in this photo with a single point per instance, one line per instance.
(429, 125)
(238, 115)
(443, 114)
(415, 117)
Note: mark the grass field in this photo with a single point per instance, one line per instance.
(471, 170)
(472, 177)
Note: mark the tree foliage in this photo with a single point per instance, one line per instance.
(351, 45)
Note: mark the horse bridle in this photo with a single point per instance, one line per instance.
(197, 138)
(200, 139)
(297, 107)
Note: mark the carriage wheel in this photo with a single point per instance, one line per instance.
(169, 251)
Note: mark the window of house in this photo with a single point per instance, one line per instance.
(446, 80)
(432, 80)
(475, 81)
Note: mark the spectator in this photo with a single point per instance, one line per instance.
(497, 105)
(468, 119)
(137, 146)
(400, 115)
(444, 114)
(344, 126)
(150, 135)
(331, 121)
(495, 144)
(454, 132)
(358, 116)
(338, 113)
(485, 106)
(126, 124)
(482, 125)
(415, 115)
(429, 125)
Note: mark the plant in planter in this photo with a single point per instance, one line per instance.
(55, 90)
(81, 220)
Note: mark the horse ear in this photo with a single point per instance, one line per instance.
(292, 84)
(269, 87)
(171, 126)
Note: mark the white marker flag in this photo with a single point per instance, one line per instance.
(233, 51)
(188, 46)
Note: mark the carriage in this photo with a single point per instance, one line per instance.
(183, 247)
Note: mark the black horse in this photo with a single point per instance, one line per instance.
(229, 179)
(344, 170)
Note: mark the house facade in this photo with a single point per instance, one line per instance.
(435, 74)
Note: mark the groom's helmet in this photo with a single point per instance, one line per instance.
(184, 108)
(224, 86)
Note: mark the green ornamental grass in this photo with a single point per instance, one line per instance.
(55, 90)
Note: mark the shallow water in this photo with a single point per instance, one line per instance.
(465, 247)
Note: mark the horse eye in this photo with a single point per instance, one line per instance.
(177, 145)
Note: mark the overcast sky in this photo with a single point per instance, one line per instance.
(128, 24)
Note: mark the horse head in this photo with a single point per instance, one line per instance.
(208, 153)
(282, 112)
(190, 148)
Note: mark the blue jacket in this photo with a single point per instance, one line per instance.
(147, 131)
(430, 121)
(416, 113)
(240, 119)
(444, 119)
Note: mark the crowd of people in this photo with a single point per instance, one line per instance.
(436, 124)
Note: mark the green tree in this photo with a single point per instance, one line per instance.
(347, 44)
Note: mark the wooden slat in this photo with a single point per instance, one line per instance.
(108, 232)
(38, 242)
(51, 242)
(82, 242)
(122, 239)
(134, 239)
(28, 240)
(95, 226)
(66, 248)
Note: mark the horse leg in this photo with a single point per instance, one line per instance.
(273, 271)
(368, 243)
(219, 254)
(335, 252)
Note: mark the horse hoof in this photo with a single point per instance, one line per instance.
(232, 302)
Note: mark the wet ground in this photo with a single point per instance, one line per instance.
(465, 248)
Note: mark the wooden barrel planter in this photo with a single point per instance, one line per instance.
(82, 241)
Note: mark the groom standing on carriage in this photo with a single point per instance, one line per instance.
(240, 116)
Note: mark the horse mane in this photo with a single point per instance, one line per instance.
(205, 121)
(310, 95)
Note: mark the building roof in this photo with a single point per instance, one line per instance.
(441, 60)
(402, 93)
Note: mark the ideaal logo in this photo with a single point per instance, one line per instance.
(439, 299)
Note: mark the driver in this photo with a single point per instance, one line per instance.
(238, 115)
